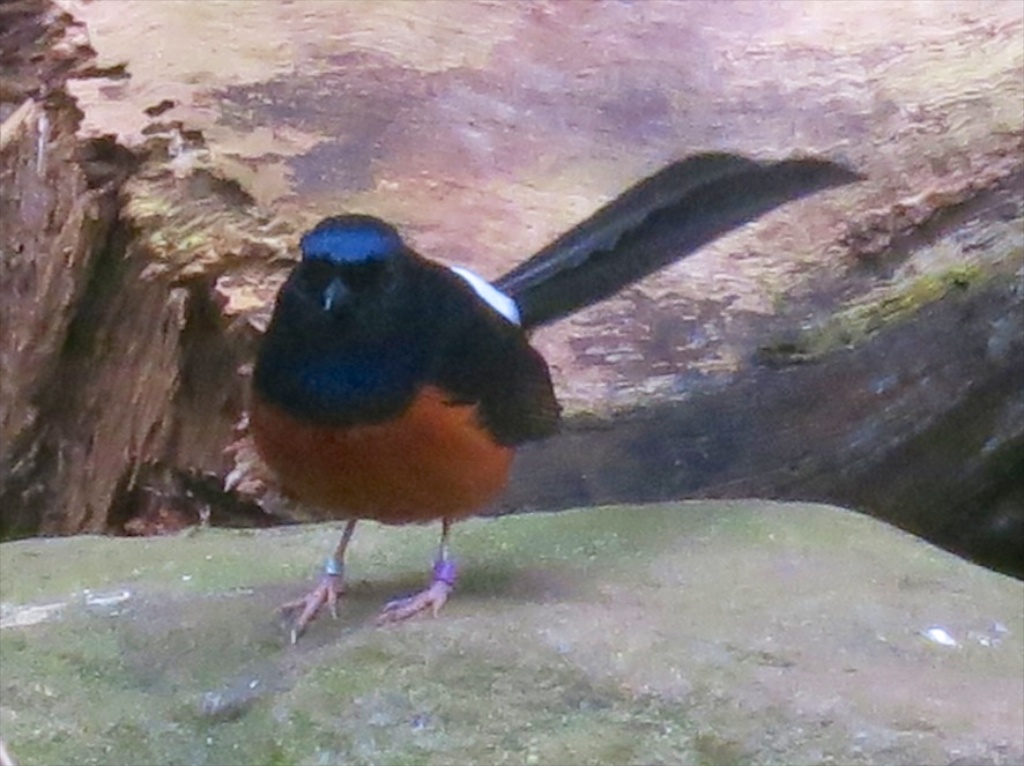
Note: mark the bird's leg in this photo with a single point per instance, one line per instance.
(326, 592)
(435, 596)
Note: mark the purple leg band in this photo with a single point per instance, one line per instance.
(445, 571)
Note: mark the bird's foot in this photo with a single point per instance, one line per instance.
(308, 607)
(432, 598)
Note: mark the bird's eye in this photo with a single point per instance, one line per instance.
(368, 275)
(317, 274)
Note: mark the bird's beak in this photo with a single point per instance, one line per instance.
(335, 295)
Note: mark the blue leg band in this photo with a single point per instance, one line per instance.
(333, 567)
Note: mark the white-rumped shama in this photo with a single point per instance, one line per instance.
(393, 388)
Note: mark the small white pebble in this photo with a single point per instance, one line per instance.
(939, 636)
(107, 599)
(186, 578)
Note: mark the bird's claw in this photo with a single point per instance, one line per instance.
(308, 607)
(432, 598)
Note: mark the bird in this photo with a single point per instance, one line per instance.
(392, 387)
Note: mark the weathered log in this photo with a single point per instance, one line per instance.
(99, 405)
(56, 217)
(863, 347)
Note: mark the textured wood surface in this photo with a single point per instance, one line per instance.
(483, 130)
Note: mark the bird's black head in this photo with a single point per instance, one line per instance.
(338, 344)
(349, 262)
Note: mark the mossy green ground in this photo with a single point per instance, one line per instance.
(703, 633)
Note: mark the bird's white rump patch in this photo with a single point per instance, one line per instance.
(490, 294)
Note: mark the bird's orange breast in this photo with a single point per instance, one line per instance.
(435, 460)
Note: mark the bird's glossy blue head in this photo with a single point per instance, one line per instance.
(350, 239)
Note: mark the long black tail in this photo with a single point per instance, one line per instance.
(659, 220)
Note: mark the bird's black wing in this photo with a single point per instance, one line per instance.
(482, 358)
